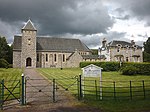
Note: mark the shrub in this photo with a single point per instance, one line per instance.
(107, 66)
(110, 66)
(129, 70)
(143, 68)
(3, 63)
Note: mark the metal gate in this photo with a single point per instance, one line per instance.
(38, 90)
(49, 90)
(9, 90)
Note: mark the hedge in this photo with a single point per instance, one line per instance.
(143, 68)
(107, 66)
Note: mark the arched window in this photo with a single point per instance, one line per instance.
(46, 57)
(63, 58)
(55, 57)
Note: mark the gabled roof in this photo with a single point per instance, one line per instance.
(122, 43)
(60, 44)
(29, 26)
(54, 44)
(91, 65)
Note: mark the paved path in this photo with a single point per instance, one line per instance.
(39, 97)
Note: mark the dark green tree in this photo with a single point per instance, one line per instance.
(146, 53)
(5, 50)
(147, 46)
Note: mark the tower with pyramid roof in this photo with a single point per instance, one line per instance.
(28, 47)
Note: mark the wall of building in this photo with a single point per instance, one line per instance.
(16, 59)
(127, 53)
(28, 48)
(74, 60)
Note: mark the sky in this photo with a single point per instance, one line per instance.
(88, 20)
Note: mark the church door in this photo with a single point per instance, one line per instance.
(28, 62)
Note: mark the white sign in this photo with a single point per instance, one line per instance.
(92, 71)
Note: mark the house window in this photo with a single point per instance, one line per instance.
(46, 57)
(63, 58)
(127, 59)
(37, 57)
(118, 49)
(55, 57)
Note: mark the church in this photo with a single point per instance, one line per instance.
(30, 50)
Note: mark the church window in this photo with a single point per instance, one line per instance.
(46, 57)
(55, 57)
(37, 57)
(63, 58)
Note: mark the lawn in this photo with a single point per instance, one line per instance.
(10, 78)
(67, 79)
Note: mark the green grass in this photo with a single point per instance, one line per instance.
(66, 79)
(11, 78)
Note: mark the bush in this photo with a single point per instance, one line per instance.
(3, 63)
(107, 66)
(143, 68)
(129, 70)
(110, 66)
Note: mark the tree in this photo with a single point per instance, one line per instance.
(146, 53)
(147, 45)
(5, 50)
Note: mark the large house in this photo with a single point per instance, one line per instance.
(121, 51)
(30, 50)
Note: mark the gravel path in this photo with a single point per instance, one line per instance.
(39, 97)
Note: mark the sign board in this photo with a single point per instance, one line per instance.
(91, 71)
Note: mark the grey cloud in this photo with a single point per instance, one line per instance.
(59, 16)
(137, 8)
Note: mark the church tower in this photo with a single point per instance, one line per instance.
(28, 49)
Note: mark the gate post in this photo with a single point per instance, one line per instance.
(80, 87)
(2, 94)
(54, 90)
(23, 90)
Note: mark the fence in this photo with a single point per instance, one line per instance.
(88, 89)
(117, 90)
(9, 90)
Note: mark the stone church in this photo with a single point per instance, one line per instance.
(30, 50)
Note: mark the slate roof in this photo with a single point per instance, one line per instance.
(29, 26)
(54, 44)
(93, 56)
(123, 43)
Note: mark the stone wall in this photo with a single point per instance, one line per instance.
(127, 53)
(28, 48)
(16, 59)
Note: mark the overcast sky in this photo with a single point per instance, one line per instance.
(88, 20)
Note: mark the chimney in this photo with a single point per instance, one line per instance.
(132, 42)
(104, 43)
